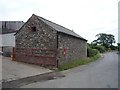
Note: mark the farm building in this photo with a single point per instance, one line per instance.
(41, 41)
(7, 31)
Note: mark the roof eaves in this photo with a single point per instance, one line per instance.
(73, 36)
(70, 32)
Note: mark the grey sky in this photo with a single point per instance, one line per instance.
(85, 17)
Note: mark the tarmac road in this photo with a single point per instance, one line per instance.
(102, 73)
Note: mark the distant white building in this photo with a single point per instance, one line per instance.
(7, 31)
(8, 39)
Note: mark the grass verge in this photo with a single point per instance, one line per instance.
(78, 63)
(118, 53)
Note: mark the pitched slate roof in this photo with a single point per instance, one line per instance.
(10, 26)
(60, 28)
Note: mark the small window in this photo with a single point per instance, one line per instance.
(33, 29)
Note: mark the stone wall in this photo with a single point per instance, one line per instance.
(43, 37)
(76, 49)
(46, 37)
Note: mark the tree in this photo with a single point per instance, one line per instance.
(104, 39)
(100, 48)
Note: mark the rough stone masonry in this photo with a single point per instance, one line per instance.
(38, 32)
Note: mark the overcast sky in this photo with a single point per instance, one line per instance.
(85, 17)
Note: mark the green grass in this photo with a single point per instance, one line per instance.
(78, 63)
(118, 53)
(103, 52)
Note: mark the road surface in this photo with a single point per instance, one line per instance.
(102, 73)
(12, 70)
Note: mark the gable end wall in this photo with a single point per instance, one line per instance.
(44, 37)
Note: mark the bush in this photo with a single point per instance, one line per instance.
(100, 48)
(95, 51)
(113, 47)
(108, 49)
(91, 52)
(118, 53)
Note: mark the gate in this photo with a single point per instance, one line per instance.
(35, 55)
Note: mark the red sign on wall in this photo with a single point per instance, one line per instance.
(64, 52)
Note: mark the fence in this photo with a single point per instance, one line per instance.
(35, 55)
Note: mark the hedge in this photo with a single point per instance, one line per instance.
(100, 48)
(91, 52)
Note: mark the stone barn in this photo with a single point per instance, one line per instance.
(43, 42)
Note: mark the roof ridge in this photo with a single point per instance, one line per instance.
(54, 23)
(59, 28)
